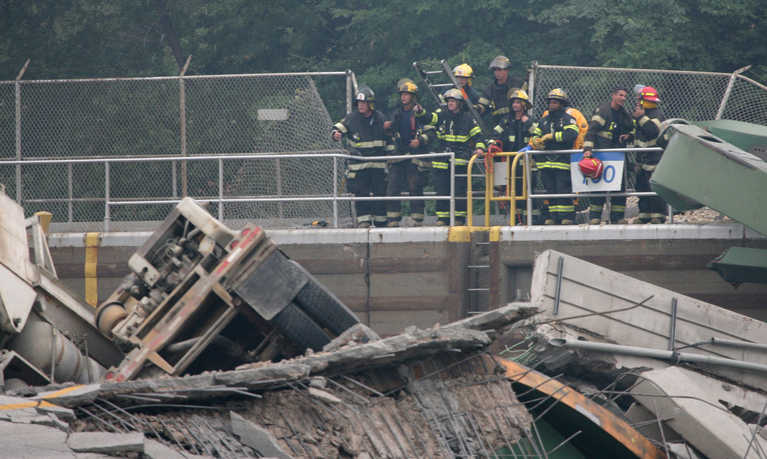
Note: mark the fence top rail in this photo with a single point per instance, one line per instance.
(745, 78)
(624, 69)
(111, 159)
(171, 77)
(580, 150)
(595, 150)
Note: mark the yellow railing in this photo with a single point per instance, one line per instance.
(511, 176)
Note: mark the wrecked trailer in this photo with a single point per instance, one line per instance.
(46, 331)
(202, 297)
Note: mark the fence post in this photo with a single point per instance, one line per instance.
(278, 178)
(727, 92)
(529, 183)
(349, 91)
(107, 197)
(69, 192)
(182, 121)
(18, 130)
(531, 81)
(335, 191)
(221, 189)
(452, 189)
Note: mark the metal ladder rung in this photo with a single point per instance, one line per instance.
(442, 85)
(477, 289)
(478, 266)
(432, 72)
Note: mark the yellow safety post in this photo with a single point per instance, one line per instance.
(510, 195)
(92, 242)
(469, 194)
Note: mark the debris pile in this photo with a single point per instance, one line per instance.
(188, 358)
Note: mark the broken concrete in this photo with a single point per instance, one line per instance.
(422, 393)
(323, 395)
(497, 318)
(156, 450)
(104, 442)
(683, 399)
(257, 437)
(603, 304)
(359, 333)
(33, 440)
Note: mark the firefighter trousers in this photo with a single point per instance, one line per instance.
(369, 182)
(557, 181)
(649, 206)
(404, 176)
(441, 179)
(617, 206)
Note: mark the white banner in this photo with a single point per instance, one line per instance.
(611, 178)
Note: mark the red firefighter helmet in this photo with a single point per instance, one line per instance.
(591, 167)
(649, 94)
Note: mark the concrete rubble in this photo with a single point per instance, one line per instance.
(598, 329)
(597, 364)
(437, 392)
(424, 393)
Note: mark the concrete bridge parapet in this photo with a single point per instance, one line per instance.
(396, 277)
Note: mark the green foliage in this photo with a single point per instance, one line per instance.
(379, 41)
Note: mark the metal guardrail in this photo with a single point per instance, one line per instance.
(527, 194)
(222, 198)
(181, 115)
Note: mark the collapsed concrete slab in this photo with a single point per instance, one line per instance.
(686, 401)
(257, 437)
(32, 440)
(108, 443)
(605, 305)
(423, 393)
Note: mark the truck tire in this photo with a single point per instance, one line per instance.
(323, 306)
(300, 329)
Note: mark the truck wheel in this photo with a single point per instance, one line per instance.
(299, 328)
(324, 307)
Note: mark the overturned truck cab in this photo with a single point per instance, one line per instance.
(201, 296)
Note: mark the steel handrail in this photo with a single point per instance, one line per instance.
(527, 194)
(109, 202)
(490, 185)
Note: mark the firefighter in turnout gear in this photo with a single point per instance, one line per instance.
(611, 126)
(409, 133)
(556, 131)
(498, 91)
(458, 132)
(513, 133)
(364, 133)
(647, 119)
(464, 74)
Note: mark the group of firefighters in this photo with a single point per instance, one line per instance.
(410, 129)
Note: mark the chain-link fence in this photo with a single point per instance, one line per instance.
(264, 114)
(694, 96)
(170, 116)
